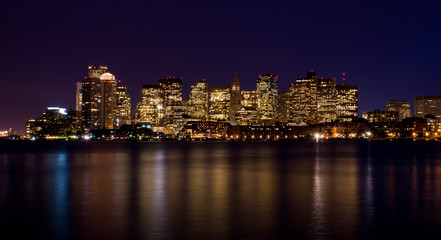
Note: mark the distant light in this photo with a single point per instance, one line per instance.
(86, 137)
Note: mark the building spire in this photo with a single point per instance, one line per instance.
(235, 78)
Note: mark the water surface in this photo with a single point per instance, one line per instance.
(220, 190)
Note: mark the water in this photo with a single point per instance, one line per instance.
(217, 190)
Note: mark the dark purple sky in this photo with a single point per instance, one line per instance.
(391, 49)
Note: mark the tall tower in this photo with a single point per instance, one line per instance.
(236, 98)
(303, 104)
(122, 107)
(150, 108)
(174, 107)
(198, 101)
(267, 96)
(98, 95)
(220, 100)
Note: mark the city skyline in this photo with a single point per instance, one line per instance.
(389, 50)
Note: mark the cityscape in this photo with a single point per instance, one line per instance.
(313, 108)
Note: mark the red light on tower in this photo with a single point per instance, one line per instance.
(119, 81)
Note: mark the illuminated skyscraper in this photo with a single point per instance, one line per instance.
(347, 102)
(303, 104)
(198, 101)
(402, 107)
(174, 107)
(98, 94)
(122, 107)
(326, 100)
(267, 96)
(108, 99)
(427, 105)
(220, 100)
(150, 108)
(236, 98)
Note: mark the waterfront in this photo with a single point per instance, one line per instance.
(220, 190)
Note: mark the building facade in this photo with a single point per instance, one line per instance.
(174, 106)
(402, 107)
(122, 108)
(347, 102)
(326, 100)
(427, 105)
(303, 103)
(236, 99)
(150, 109)
(220, 100)
(267, 96)
(198, 101)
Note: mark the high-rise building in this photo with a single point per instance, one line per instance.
(236, 98)
(151, 107)
(402, 107)
(267, 96)
(98, 93)
(326, 100)
(108, 99)
(427, 105)
(303, 104)
(122, 108)
(283, 106)
(174, 107)
(220, 100)
(347, 102)
(198, 101)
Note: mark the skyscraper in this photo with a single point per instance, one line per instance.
(220, 100)
(151, 107)
(198, 101)
(236, 98)
(267, 96)
(174, 107)
(108, 99)
(98, 92)
(303, 104)
(427, 105)
(326, 100)
(347, 102)
(122, 107)
(402, 107)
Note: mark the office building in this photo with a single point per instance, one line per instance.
(150, 109)
(267, 96)
(326, 100)
(219, 101)
(303, 104)
(427, 105)
(174, 107)
(347, 102)
(402, 107)
(122, 108)
(197, 107)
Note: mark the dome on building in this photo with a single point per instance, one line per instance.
(107, 76)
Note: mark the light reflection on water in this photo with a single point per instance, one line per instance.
(305, 190)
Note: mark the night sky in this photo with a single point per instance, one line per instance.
(391, 49)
